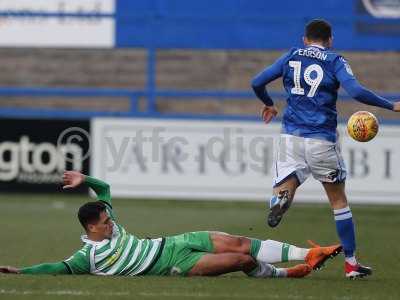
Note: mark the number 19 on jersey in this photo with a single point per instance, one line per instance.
(312, 82)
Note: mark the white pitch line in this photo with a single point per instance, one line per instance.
(62, 293)
(169, 295)
(202, 295)
(146, 294)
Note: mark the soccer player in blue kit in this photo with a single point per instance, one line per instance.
(308, 143)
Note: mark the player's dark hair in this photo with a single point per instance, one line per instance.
(89, 212)
(318, 30)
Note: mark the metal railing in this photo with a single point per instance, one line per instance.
(150, 97)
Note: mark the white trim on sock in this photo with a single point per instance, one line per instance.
(341, 210)
(344, 217)
(351, 260)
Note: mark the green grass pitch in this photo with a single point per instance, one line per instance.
(44, 228)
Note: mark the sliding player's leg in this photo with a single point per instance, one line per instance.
(192, 253)
(222, 263)
(290, 171)
(270, 251)
(181, 253)
(218, 264)
(345, 229)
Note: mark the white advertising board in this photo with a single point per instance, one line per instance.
(57, 23)
(226, 160)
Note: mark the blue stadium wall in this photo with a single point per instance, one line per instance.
(255, 24)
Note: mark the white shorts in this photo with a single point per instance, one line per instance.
(304, 156)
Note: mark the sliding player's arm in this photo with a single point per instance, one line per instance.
(73, 179)
(350, 84)
(58, 268)
(259, 85)
(79, 263)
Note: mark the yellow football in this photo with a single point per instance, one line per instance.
(362, 126)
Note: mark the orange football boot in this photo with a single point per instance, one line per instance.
(298, 271)
(317, 255)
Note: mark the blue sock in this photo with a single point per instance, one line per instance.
(345, 230)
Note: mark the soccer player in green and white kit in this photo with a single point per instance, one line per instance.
(110, 250)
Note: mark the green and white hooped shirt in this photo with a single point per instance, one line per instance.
(123, 255)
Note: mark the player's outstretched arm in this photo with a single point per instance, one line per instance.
(73, 179)
(363, 95)
(9, 270)
(348, 81)
(396, 106)
(58, 268)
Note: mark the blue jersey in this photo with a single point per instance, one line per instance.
(311, 77)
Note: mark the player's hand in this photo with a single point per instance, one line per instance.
(396, 106)
(72, 179)
(9, 270)
(267, 113)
